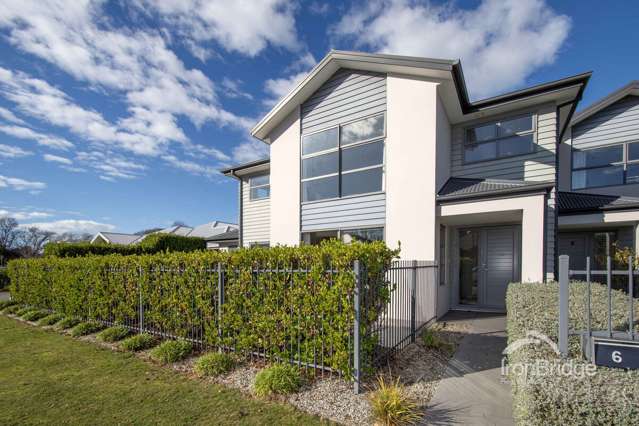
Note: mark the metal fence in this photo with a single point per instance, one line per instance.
(200, 297)
(603, 276)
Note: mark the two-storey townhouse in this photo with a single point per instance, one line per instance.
(385, 147)
(599, 179)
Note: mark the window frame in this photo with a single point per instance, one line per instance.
(340, 231)
(266, 185)
(625, 162)
(339, 148)
(465, 140)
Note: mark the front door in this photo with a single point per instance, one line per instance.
(488, 261)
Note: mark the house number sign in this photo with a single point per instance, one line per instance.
(616, 353)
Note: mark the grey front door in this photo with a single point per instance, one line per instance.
(489, 260)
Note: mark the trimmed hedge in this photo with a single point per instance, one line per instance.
(610, 396)
(286, 312)
(154, 243)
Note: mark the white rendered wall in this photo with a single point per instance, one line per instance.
(285, 181)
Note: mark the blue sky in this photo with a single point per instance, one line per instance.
(117, 115)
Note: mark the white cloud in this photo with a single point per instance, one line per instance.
(500, 43)
(75, 226)
(277, 88)
(135, 65)
(57, 159)
(232, 89)
(110, 165)
(41, 139)
(246, 27)
(24, 215)
(250, 150)
(319, 8)
(19, 184)
(8, 151)
(10, 116)
(190, 166)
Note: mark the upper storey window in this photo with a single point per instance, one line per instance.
(499, 139)
(343, 160)
(260, 187)
(605, 166)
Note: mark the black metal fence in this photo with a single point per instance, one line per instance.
(604, 276)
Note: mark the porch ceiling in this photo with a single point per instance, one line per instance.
(471, 219)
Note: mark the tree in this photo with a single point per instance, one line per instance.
(33, 239)
(70, 237)
(8, 232)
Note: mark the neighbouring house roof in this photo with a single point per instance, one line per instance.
(117, 238)
(453, 87)
(246, 168)
(461, 188)
(211, 231)
(631, 88)
(577, 202)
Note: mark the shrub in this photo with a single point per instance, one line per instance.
(67, 322)
(50, 319)
(281, 379)
(432, 340)
(214, 364)
(84, 328)
(23, 310)
(392, 406)
(4, 279)
(151, 244)
(139, 342)
(6, 303)
(114, 334)
(35, 315)
(172, 351)
(610, 396)
(11, 309)
(110, 286)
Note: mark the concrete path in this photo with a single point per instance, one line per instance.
(4, 295)
(472, 392)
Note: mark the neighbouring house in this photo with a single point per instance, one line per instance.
(218, 235)
(386, 147)
(599, 179)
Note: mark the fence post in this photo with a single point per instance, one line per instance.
(140, 302)
(220, 302)
(563, 304)
(631, 289)
(413, 290)
(356, 328)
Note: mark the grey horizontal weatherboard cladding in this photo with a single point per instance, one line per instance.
(537, 166)
(348, 95)
(616, 123)
(352, 212)
(256, 217)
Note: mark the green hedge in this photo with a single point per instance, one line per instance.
(282, 301)
(154, 243)
(610, 396)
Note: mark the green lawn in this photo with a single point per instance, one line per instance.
(49, 378)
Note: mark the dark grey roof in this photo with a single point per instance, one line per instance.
(233, 234)
(456, 188)
(576, 202)
(239, 167)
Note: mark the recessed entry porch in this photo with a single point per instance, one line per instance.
(486, 245)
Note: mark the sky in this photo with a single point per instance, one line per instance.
(118, 115)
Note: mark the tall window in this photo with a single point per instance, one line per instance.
(260, 187)
(605, 166)
(499, 139)
(345, 160)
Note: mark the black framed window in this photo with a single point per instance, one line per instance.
(500, 139)
(259, 187)
(344, 160)
(605, 166)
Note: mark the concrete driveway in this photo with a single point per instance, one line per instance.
(473, 392)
